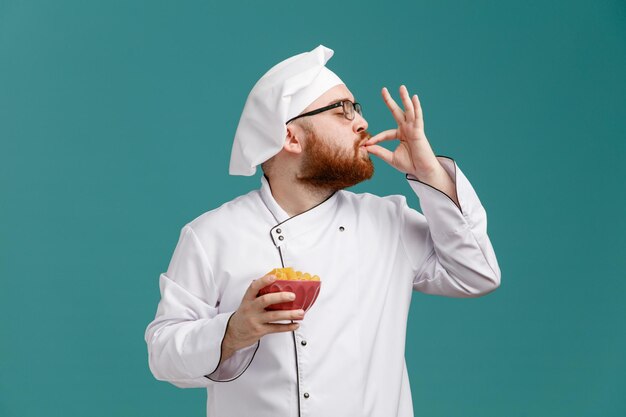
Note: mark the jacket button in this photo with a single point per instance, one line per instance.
(278, 231)
(303, 343)
(281, 237)
(306, 395)
(341, 228)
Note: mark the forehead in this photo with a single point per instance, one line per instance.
(337, 92)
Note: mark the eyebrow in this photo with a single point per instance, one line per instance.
(338, 100)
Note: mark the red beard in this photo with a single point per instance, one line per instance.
(335, 169)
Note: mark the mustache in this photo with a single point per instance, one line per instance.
(363, 137)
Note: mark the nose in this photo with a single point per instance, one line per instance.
(359, 123)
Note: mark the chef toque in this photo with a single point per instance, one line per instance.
(281, 93)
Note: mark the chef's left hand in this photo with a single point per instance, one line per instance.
(413, 154)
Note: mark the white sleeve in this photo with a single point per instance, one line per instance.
(185, 338)
(448, 245)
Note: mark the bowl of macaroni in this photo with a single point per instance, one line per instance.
(305, 286)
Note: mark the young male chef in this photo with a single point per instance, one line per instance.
(345, 357)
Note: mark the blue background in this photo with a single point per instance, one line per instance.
(116, 123)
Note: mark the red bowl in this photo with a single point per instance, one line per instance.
(306, 293)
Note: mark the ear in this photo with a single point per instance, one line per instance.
(293, 140)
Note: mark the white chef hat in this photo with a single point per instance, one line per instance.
(281, 93)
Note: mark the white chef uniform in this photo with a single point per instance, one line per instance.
(347, 357)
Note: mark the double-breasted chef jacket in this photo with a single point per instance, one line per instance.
(347, 356)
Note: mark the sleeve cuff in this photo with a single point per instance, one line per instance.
(236, 365)
(435, 203)
(449, 165)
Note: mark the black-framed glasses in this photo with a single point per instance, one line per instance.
(349, 109)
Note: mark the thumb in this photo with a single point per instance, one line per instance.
(383, 153)
(256, 285)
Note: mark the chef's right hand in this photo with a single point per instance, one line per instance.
(251, 321)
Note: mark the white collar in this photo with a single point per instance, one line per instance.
(266, 194)
(294, 226)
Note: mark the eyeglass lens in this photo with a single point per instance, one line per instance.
(349, 109)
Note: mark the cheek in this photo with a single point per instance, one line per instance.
(339, 136)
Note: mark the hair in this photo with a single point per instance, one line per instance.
(305, 124)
